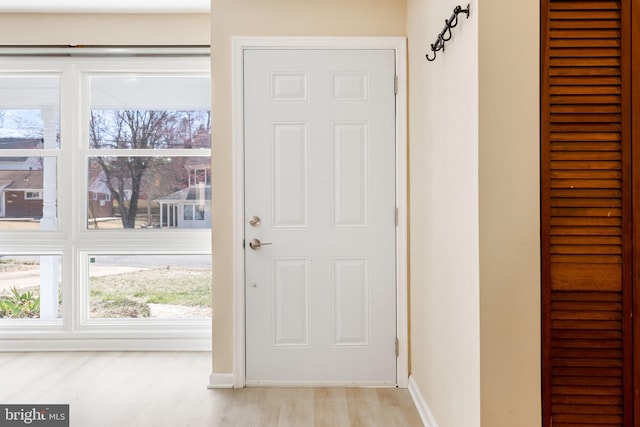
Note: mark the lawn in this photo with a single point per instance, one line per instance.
(158, 292)
(133, 294)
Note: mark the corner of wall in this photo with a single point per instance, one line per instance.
(421, 405)
(220, 381)
(509, 182)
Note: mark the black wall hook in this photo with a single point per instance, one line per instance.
(445, 34)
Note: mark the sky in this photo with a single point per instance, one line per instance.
(20, 124)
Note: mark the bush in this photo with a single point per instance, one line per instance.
(18, 305)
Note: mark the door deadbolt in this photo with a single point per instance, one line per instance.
(255, 221)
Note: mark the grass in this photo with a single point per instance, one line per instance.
(129, 294)
(119, 308)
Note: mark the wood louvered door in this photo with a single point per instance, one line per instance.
(587, 213)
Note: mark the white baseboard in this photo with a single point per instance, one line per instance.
(220, 381)
(421, 405)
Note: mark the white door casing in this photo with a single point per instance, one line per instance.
(319, 130)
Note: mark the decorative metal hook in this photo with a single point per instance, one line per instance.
(465, 11)
(441, 41)
(434, 55)
(447, 29)
(445, 35)
(453, 22)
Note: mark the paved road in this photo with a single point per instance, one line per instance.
(150, 261)
(19, 279)
(104, 265)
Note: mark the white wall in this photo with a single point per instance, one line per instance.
(443, 111)
(475, 251)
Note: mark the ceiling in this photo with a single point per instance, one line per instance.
(105, 6)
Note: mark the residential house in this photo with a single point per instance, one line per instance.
(21, 194)
(189, 207)
(8, 143)
(473, 150)
(21, 184)
(100, 201)
(20, 181)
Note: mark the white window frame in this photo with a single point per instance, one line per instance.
(75, 243)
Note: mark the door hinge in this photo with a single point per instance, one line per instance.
(395, 84)
(395, 216)
(243, 244)
(397, 344)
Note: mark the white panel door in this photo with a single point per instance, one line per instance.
(320, 177)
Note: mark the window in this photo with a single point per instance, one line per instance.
(188, 212)
(199, 213)
(193, 213)
(33, 195)
(100, 243)
(149, 286)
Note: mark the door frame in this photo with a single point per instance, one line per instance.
(398, 44)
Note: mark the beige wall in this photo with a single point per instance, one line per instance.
(488, 318)
(474, 178)
(104, 29)
(267, 18)
(509, 213)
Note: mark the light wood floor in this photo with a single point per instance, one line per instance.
(137, 389)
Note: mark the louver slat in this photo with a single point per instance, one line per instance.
(585, 209)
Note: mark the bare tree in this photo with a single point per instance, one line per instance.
(125, 176)
(29, 126)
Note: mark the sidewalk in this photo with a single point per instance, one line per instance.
(31, 278)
